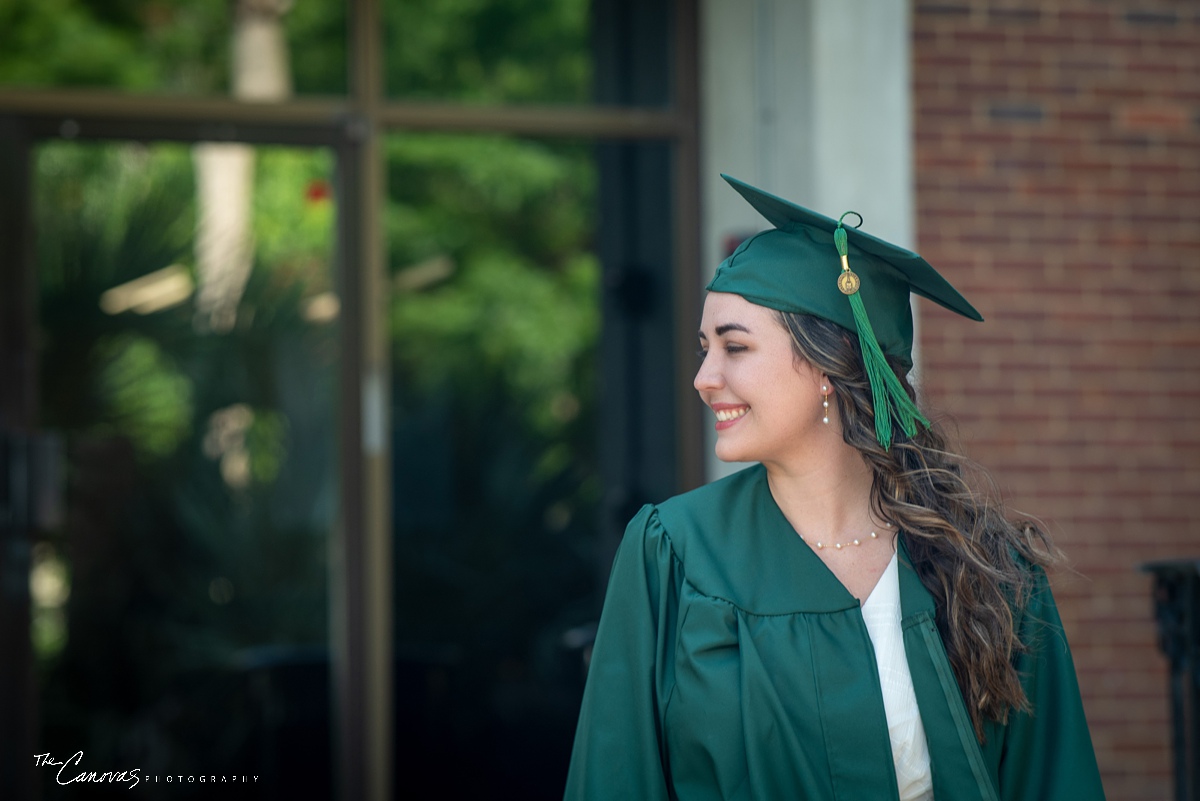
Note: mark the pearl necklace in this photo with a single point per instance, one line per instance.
(820, 546)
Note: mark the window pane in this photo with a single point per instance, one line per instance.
(495, 314)
(189, 344)
(177, 46)
(489, 51)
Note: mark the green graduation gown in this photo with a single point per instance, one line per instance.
(730, 663)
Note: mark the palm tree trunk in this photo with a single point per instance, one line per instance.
(225, 171)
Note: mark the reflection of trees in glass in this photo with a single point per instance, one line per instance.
(200, 467)
(490, 248)
(486, 51)
(126, 44)
(203, 463)
(489, 51)
(157, 45)
(494, 321)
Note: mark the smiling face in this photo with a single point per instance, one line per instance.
(767, 403)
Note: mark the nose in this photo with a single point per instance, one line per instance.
(708, 377)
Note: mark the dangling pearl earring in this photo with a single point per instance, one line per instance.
(825, 404)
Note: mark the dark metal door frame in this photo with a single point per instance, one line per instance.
(18, 408)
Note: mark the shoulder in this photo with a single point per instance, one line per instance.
(738, 485)
(707, 514)
(733, 544)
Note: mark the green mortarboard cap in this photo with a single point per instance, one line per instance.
(812, 264)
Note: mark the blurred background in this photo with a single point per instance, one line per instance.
(338, 341)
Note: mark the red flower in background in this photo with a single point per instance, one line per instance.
(317, 191)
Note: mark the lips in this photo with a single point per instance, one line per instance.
(729, 413)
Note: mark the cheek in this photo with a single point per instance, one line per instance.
(803, 400)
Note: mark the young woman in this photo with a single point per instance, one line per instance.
(853, 617)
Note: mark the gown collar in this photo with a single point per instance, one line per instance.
(827, 594)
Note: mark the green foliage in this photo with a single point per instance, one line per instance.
(110, 214)
(486, 51)
(179, 46)
(147, 397)
(59, 43)
(489, 51)
(134, 45)
(512, 219)
(316, 34)
(106, 216)
(294, 215)
(266, 445)
(501, 320)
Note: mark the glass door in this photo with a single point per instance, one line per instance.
(187, 350)
(495, 316)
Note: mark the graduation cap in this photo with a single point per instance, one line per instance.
(804, 265)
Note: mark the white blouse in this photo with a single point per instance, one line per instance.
(910, 751)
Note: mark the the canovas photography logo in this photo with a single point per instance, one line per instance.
(72, 771)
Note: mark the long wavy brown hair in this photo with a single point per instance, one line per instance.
(974, 560)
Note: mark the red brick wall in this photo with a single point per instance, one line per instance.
(1058, 185)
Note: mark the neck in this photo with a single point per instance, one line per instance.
(826, 495)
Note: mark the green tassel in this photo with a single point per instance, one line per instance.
(888, 395)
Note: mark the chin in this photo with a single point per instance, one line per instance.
(728, 453)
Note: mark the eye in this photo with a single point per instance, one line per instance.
(735, 348)
(700, 354)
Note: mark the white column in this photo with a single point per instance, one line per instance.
(810, 100)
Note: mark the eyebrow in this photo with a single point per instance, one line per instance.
(722, 330)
